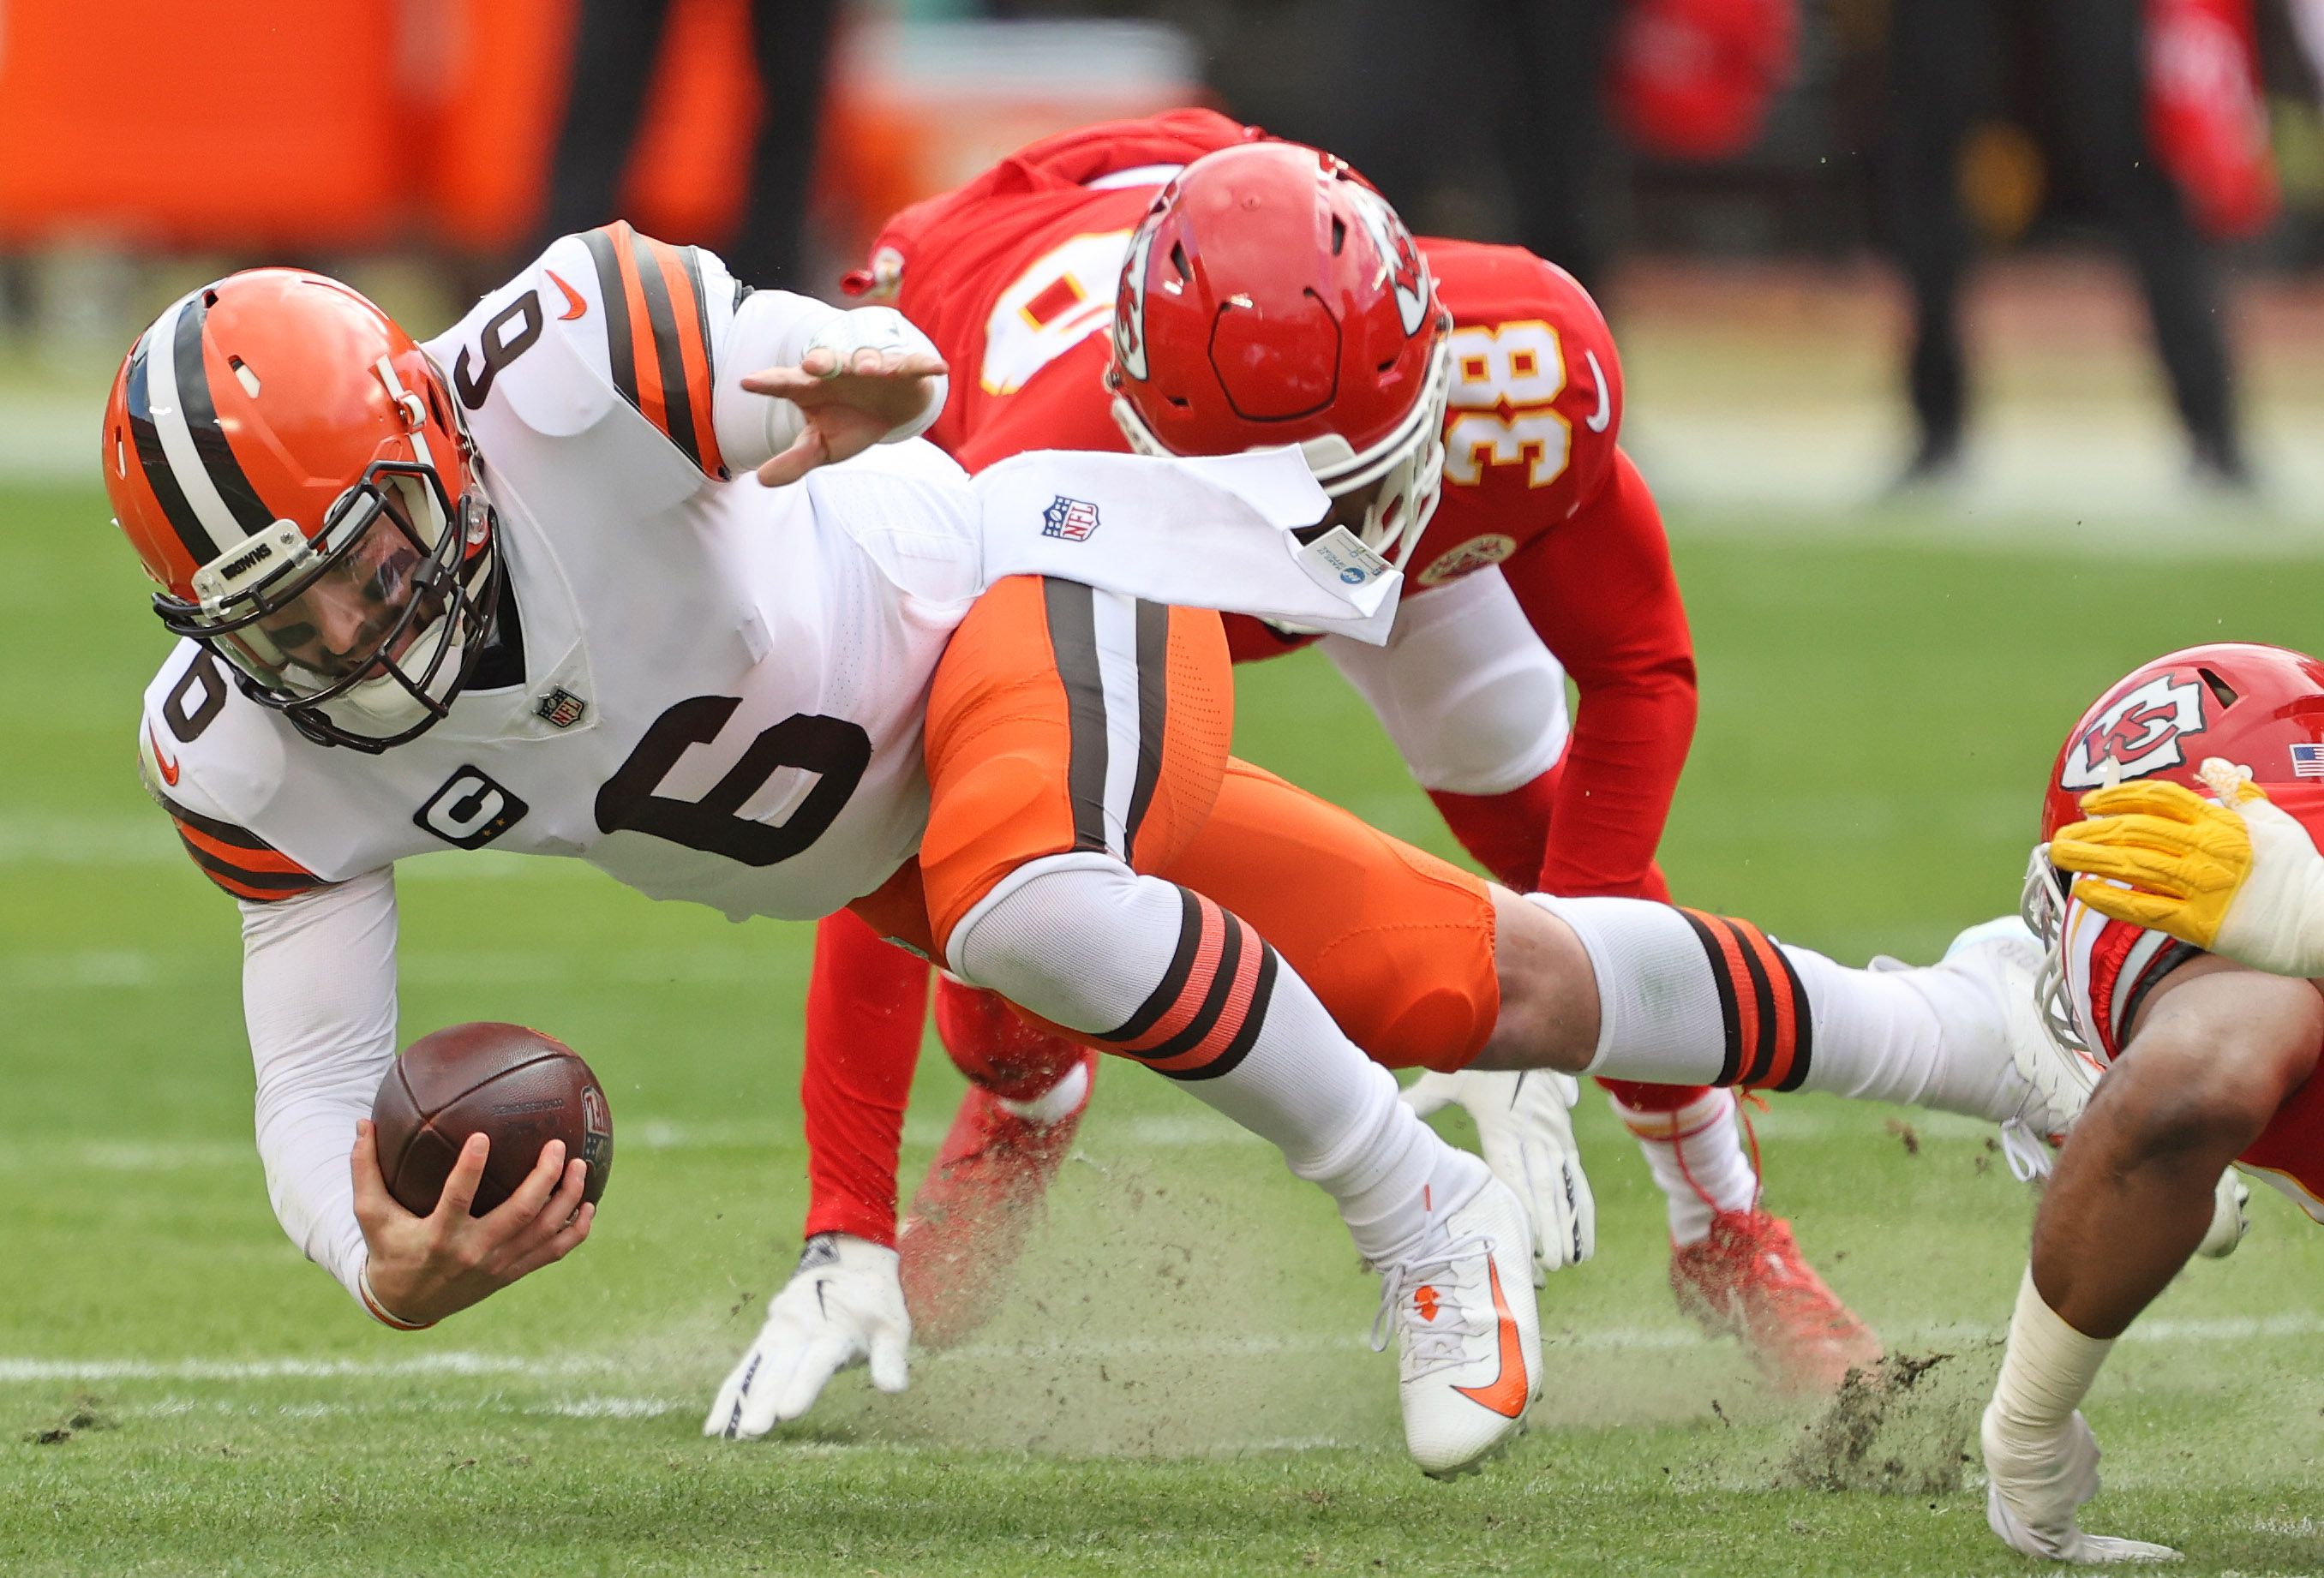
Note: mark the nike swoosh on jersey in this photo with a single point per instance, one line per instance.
(1506, 1392)
(1596, 421)
(574, 306)
(168, 768)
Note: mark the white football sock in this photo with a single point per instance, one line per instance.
(1930, 1037)
(1696, 1154)
(1083, 942)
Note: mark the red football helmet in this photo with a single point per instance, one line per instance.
(2259, 707)
(2250, 703)
(1270, 296)
(288, 466)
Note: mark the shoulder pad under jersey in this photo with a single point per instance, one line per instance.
(211, 760)
(621, 318)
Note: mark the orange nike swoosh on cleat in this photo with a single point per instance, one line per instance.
(1505, 1396)
(574, 306)
(169, 768)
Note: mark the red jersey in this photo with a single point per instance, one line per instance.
(2110, 967)
(1027, 258)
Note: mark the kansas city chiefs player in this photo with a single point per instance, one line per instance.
(511, 587)
(1178, 285)
(2205, 1061)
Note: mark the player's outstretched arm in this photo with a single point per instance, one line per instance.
(2238, 877)
(319, 997)
(421, 1269)
(319, 1001)
(1600, 592)
(2215, 1051)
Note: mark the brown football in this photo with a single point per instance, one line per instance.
(516, 1086)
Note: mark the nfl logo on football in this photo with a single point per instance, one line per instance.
(1071, 519)
(561, 708)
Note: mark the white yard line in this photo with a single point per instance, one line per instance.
(2299, 1325)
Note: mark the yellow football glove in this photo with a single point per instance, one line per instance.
(2238, 877)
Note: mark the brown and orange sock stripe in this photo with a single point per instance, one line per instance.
(1763, 1007)
(1206, 1015)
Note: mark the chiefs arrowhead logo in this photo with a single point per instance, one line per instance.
(1130, 304)
(1407, 274)
(2138, 734)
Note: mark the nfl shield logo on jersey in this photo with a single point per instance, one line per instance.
(561, 708)
(1071, 519)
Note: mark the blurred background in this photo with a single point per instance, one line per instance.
(1990, 261)
(1975, 351)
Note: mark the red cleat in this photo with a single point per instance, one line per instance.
(959, 1244)
(1749, 1281)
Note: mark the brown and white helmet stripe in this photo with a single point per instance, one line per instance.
(195, 478)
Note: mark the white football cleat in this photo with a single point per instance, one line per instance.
(2006, 959)
(1468, 1335)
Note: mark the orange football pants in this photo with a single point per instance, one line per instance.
(1397, 943)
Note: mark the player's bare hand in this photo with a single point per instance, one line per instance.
(863, 377)
(425, 1268)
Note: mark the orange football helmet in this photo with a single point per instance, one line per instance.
(287, 462)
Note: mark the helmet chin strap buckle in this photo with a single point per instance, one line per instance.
(414, 409)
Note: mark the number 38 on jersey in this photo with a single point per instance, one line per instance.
(1506, 377)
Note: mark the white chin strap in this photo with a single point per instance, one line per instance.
(385, 706)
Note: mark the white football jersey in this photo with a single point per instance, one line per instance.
(716, 688)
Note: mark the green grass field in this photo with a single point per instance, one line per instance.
(1179, 1384)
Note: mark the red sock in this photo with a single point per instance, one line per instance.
(996, 1048)
(867, 1001)
(1653, 1098)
